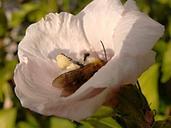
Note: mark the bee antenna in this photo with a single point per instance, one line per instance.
(104, 50)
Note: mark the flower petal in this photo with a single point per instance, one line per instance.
(130, 5)
(55, 34)
(99, 20)
(37, 75)
(136, 34)
(77, 110)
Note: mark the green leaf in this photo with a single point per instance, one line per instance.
(163, 124)
(66, 5)
(19, 16)
(101, 119)
(3, 23)
(42, 9)
(166, 66)
(103, 111)
(149, 86)
(85, 124)
(144, 6)
(32, 120)
(25, 125)
(7, 71)
(109, 121)
(166, 2)
(160, 117)
(160, 47)
(97, 124)
(7, 118)
(169, 27)
(61, 123)
(52, 5)
(81, 5)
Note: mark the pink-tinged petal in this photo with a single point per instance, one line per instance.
(133, 39)
(130, 5)
(79, 109)
(55, 34)
(100, 18)
(73, 35)
(36, 75)
(136, 34)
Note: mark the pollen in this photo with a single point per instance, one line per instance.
(92, 60)
(62, 61)
(72, 67)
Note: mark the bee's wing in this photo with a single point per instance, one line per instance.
(66, 79)
(70, 81)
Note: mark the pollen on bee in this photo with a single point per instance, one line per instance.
(66, 63)
(72, 67)
(91, 60)
(62, 61)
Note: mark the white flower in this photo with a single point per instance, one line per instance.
(127, 34)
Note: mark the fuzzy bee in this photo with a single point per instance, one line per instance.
(78, 73)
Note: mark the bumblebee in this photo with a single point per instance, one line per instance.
(78, 73)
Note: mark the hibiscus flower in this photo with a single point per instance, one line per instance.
(119, 35)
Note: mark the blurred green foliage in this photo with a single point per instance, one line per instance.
(149, 82)
(17, 15)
